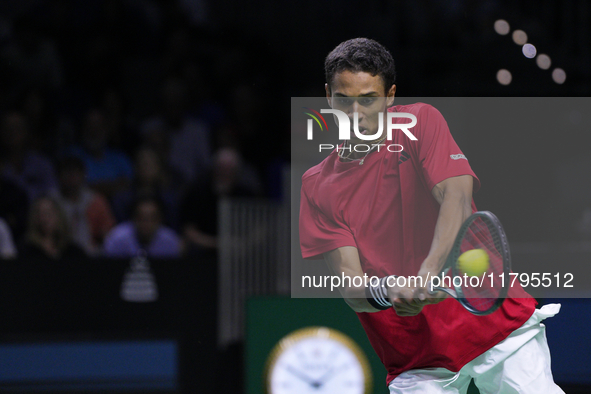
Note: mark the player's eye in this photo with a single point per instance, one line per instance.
(367, 101)
(344, 101)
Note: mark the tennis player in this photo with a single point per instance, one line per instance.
(384, 213)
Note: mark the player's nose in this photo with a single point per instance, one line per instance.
(354, 109)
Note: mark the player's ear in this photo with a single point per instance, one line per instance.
(390, 96)
(328, 96)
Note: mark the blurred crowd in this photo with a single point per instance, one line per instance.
(122, 124)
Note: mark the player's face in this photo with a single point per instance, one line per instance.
(363, 93)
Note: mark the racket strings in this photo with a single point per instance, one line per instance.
(482, 292)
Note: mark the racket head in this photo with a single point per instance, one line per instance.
(482, 230)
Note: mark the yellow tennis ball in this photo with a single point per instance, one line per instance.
(474, 262)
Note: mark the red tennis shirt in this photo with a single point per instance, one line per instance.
(386, 210)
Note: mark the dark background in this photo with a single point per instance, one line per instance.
(242, 61)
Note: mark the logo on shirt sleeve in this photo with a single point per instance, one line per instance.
(403, 157)
(458, 157)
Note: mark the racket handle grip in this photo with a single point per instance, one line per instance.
(443, 289)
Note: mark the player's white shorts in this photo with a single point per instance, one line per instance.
(518, 364)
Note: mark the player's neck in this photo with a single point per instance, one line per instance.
(358, 151)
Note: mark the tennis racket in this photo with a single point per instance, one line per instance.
(483, 294)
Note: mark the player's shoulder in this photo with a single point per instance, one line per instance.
(313, 172)
(312, 177)
(419, 109)
(430, 122)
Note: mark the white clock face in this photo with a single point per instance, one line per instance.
(317, 364)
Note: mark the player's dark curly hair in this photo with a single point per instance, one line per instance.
(361, 55)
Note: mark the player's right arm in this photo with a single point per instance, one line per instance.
(345, 261)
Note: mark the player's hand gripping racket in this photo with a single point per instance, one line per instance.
(482, 291)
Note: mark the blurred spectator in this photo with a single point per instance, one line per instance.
(121, 133)
(48, 236)
(29, 169)
(89, 214)
(32, 58)
(258, 145)
(150, 178)
(145, 232)
(230, 177)
(40, 120)
(7, 248)
(108, 170)
(14, 204)
(196, 10)
(112, 34)
(181, 139)
(178, 50)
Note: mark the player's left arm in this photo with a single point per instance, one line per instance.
(455, 198)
